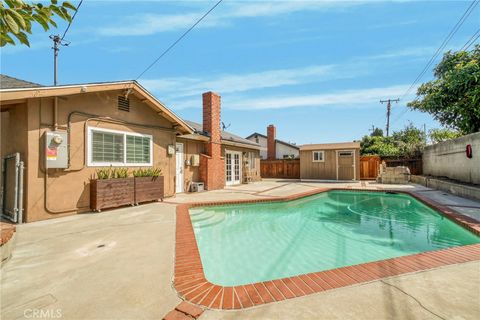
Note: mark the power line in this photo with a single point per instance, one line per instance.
(59, 41)
(471, 41)
(71, 21)
(178, 40)
(454, 30)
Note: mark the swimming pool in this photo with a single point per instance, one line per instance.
(247, 243)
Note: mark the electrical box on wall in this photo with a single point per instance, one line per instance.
(195, 161)
(56, 152)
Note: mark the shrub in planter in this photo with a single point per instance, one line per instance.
(149, 185)
(112, 188)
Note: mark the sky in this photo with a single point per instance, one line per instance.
(315, 69)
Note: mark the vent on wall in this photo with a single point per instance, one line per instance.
(123, 104)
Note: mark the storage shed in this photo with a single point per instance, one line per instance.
(330, 161)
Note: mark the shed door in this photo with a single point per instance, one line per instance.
(345, 165)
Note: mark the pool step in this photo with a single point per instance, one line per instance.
(204, 215)
(213, 219)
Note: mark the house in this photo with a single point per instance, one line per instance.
(109, 124)
(273, 148)
(330, 161)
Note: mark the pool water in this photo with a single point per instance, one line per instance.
(241, 244)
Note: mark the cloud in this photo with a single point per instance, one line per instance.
(360, 98)
(148, 23)
(228, 83)
(347, 98)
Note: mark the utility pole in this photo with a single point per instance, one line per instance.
(389, 107)
(57, 42)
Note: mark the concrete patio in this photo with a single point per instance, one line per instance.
(119, 265)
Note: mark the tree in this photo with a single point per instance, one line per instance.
(439, 135)
(16, 18)
(407, 143)
(377, 132)
(453, 97)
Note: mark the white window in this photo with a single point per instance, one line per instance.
(318, 156)
(108, 147)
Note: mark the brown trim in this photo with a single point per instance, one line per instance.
(191, 285)
(57, 91)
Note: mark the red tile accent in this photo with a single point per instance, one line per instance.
(263, 292)
(227, 298)
(176, 315)
(217, 303)
(191, 284)
(293, 288)
(189, 309)
(253, 294)
(276, 294)
(243, 296)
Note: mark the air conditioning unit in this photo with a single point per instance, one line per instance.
(197, 187)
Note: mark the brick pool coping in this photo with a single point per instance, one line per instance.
(191, 284)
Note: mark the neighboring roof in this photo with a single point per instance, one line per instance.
(132, 86)
(331, 146)
(7, 82)
(226, 136)
(277, 140)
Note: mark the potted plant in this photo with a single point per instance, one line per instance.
(112, 188)
(149, 185)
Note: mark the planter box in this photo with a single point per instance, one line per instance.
(110, 193)
(149, 189)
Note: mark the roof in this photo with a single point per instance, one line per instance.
(7, 82)
(331, 146)
(226, 136)
(132, 86)
(291, 145)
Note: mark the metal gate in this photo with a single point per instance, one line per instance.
(12, 188)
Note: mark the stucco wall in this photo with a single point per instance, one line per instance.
(69, 190)
(191, 173)
(448, 159)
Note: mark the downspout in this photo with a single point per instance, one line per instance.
(55, 113)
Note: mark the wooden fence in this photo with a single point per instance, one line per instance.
(284, 169)
(369, 167)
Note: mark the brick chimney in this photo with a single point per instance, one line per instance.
(271, 145)
(212, 166)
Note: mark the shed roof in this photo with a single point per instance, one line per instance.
(7, 82)
(330, 146)
(226, 136)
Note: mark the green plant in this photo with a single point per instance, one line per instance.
(17, 17)
(148, 172)
(104, 173)
(112, 173)
(120, 173)
(453, 97)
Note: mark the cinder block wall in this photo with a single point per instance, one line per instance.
(448, 159)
